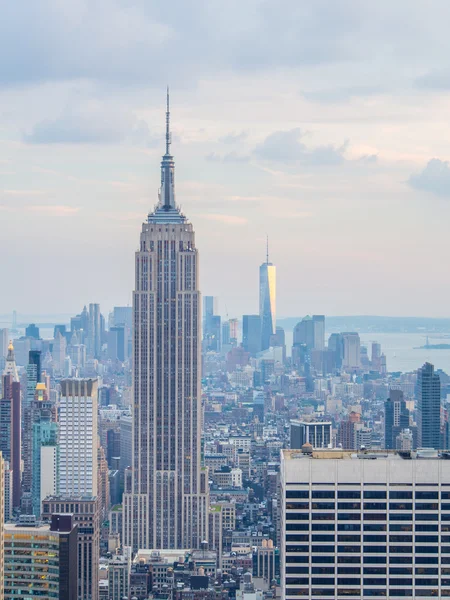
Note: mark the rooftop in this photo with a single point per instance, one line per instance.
(338, 454)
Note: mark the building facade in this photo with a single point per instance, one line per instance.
(167, 505)
(41, 560)
(78, 437)
(365, 525)
(267, 301)
(428, 407)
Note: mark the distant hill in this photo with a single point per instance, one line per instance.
(369, 324)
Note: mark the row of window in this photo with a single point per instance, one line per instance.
(368, 505)
(405, 527)
(366, 570)
(401, 582)
(366, 593)
(373, 559)
(355, 516)
(369, 494)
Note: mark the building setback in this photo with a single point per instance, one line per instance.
(166, 505)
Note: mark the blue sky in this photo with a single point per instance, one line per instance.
(322, 123)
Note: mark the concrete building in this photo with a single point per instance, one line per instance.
(41, 560)
(364, 525)
(316, 433)
(78, 437)
(352, 352)
(167, 504)
(396, 418)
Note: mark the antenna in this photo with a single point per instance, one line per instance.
(168, 124)
(267, 248)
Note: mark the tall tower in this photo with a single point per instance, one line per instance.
(428, 408)
(166, 501)
(267, 300)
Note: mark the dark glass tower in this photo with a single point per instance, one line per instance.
(428, 407)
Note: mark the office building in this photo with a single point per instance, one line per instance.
(319, 332)
(336, 347)
(316, 433)
(352, 352)
(59, 353)
(304, 333)
(251, 333)
(34, 374)
(396, 418)
(4, 342)
(44, 450)
(95, 331)
(86, 516)
(118, 343)
(10, 365)
(2, 529)
(367, 525)
(10, 434)
(78, 437)
(41, 559)
(428, 407)
(32, 331)
(267, 301)
(210, 308)
(167, 505)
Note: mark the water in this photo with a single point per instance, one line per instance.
(401, 354)
(400, 351)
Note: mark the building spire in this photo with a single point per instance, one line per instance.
(168, 138)
(267, 248)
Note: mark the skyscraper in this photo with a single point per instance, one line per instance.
(319, 332)
(78, 437)
(428, 407)
(167, 505)
(267, 301)
(396, 418)
(251, 333)
(95, 340)
(4, 339)
(352, 351)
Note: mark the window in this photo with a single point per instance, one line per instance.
(400, 505)
(394, 495)
(375, 527)
(320, 537)
(322, 526)
(322, 505)
(351, 494)
(349, 581)
(323, 494)
(322, 559)
(426, 506)
(374, 505)
(374, 494)
(427, 495)
(400, 538)
(374, 581)
(349, 570)
(297, 494)
(349, 505)
(297, 505)
(375, 538)
(374, 570)
(323, 570)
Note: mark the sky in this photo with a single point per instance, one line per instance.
(324, 124)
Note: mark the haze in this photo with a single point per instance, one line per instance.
(324, 124)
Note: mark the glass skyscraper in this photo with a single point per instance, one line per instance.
(267, 301)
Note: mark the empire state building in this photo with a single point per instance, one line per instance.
(166, 499)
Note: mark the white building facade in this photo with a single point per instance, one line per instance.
(364, 525)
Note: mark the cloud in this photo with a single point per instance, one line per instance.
(141, 42)
(230, 157)
(55, 210)
(286, 146)
(434, 178)
(92, 123)
(226, 219)
(434, 80)
(339, 95)
(368, 159)
(24, 192)
(234, 138)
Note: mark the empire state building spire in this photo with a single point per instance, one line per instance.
(166, 211)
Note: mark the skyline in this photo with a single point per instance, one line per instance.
(348, 178)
